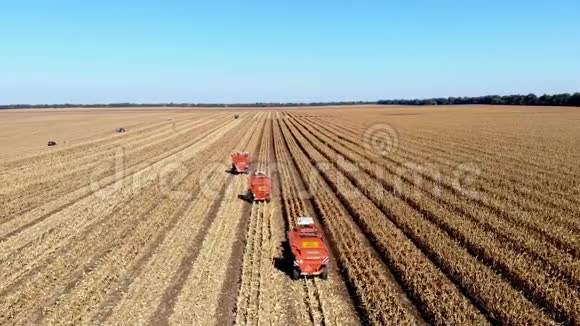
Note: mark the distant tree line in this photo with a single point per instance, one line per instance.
(149, 105)
(530, 99)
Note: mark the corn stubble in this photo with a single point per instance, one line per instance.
(471, 218)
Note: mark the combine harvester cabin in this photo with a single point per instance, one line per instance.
(308, 248)
(240, 162)
(259, 188)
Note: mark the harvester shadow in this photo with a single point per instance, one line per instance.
(246, 198)
(285, 263)
(232, 171)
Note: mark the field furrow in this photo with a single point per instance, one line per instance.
(529, 184)
(34, 230)
(78, 176)
(430, 190)
(261, 299)
(200, 298)
(313, 304)
(446, 190)
(96, 255)
(467, 272)
(169, 263)
(442, 215)
(380, 307)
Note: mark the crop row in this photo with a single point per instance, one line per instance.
(316, 302)
(379, 296)
(81, 263)
(523, 186)
(42, 185)
(535, 245)
(519, 269)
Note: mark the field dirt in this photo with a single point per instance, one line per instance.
(433, 215)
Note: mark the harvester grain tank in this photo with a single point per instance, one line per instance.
(259, 188)
(240, 162)
(309, 250)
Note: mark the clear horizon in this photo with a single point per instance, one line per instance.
(258, 51)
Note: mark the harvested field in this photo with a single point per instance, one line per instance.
(433, 215)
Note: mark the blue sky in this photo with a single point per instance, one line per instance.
(57, 51)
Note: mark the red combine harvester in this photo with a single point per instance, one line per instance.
(259, 188)
(240, 162)
(309, 250)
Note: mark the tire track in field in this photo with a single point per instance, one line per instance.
(76, 152)
(39, 158)
(136, 296)
(33, 153)
(262, 298)
(80, 176)
(198, 298)
(248, 297)
(82, 270)
(229, 290)
(28, 263)
(80, 214)
(210, 270)
(126, 178)
(258, 298)
(19, 180)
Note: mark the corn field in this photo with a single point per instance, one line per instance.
(446, 215)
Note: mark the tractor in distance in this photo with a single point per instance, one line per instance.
(240, 162)
(259, 188)
(309, 250)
